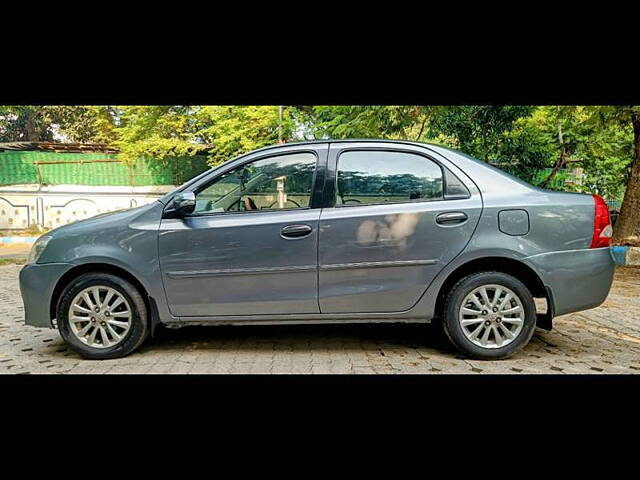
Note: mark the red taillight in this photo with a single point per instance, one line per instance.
(602, 229)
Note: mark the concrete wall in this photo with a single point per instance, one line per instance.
(50, 207)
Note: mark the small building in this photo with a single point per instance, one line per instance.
(48, 184)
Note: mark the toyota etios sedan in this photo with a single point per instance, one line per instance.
(344, 231)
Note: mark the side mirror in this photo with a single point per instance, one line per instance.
(184, 203)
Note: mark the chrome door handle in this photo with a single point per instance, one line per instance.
(295, 231)
(451, 217)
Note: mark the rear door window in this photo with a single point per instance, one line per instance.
(375, 177)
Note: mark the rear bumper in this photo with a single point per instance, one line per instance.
(578, 279)
(37, 282)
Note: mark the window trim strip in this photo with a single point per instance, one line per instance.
(331, 175)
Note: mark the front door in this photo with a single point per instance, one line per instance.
(391, 229)
(250, 247)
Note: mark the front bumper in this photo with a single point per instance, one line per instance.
(578, 279)
(37, 282)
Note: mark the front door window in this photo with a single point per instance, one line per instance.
(275, 183)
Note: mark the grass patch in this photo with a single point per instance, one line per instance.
(32, 231)
(12, 261)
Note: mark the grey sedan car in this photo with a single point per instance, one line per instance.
(328, 231)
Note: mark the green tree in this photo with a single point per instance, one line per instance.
(500, 135)
(25, 124)
(520, 139)
(496, 134)
(154, 131)
(605, 150)
(627, 228)
(337, 122)
(33, 123)
(172, 131)
(588, 137)
(233, 130)
(480, 131)
(83, 124)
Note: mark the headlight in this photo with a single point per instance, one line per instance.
(37, 249)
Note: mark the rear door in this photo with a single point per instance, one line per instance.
(395, 217)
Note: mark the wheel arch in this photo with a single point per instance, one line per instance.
(516, 268)
(97, 267)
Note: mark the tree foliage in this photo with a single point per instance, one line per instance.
(153, 131)
(520, 139)
(320, 122)
(174, 131)
(499, 135)
(627, 229)
(231, 131)
(49, 123)
(25, 124)
(602, 141)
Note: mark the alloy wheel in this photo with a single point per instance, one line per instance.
(491, 316)
(100, 316)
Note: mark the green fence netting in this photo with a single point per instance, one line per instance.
(55, 168)
(50, 168)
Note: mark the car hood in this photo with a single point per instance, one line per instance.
(123, 216)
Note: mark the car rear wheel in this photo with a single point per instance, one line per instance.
(489, 315)
(102, 316)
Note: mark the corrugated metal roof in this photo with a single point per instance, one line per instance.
(58, 147)
(73, 147)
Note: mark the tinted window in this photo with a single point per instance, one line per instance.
(386, 177)
(281, 182)
(454, 188)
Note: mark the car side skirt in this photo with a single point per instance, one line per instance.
(290, 320)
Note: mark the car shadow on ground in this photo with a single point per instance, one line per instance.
(302, 337)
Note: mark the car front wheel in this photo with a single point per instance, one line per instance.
(489, 315)
(102, 316)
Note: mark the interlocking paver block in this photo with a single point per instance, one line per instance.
(598, 341)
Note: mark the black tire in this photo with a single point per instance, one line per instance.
(453, 303)
(137, 333)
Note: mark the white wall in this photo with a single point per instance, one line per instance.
(50, 207)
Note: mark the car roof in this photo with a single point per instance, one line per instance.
(348, 140)
(481, 172)
(457, 157)
(432, 146)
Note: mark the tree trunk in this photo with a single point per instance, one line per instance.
(31, 129)
(424, 122)
(562, 161)
(627, 228)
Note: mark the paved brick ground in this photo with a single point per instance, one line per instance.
(603, 340)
